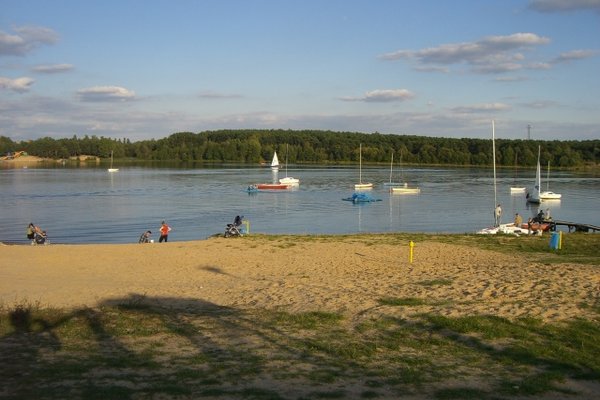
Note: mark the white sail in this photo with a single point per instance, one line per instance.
(534, 195)
(275, 161)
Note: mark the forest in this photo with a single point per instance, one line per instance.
(317, 147)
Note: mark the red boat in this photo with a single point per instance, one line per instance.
(536, 226)
(272, 186)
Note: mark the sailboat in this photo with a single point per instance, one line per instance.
(548, 195)
(534, 195)
(111, 169)
(390, 183)
(404, 189)
(510, 228)
(275, 161)
(517, 189)
(361, 185)
(288, 180)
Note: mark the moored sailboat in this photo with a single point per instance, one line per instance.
(361, 185)
(111, 169)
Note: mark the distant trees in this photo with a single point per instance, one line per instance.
(309, 146)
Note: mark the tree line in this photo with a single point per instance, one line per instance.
(314, 146)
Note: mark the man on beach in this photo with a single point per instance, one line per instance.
(497, 215)
(164, 232)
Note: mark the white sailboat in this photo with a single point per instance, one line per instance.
(111, 169)
(288, 180)
(534, 195)
(404, 189)
(517, 189)
(275, 161)
(499, 228)
(548, 195)
(390, 183)
(361, 185)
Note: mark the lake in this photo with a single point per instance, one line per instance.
(90, 205)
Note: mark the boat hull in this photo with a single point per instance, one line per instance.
(289, 181)
(550, 196)
(405, 190)
(272, 186)
(363, 186)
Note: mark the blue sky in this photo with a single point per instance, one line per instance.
(141, 69)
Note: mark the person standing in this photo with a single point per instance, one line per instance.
(497, 215)
(164, 232)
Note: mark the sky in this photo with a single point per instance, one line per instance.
(145, 69)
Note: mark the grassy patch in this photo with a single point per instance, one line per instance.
(144, 351)
(406, 301)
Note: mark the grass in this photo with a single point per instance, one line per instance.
(136, 352)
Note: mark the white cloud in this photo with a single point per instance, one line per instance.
(574, 55)
(52, 68)
(492, 54)
(383, 96)
(105, 93)
(479, 108)
(20, 85)
(550, 6)
(26, 39)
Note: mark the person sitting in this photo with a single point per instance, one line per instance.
(539, 217)
(518, 220)
(238, 220)
(145, 238)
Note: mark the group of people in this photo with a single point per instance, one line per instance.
(36, 234)
(518, 221)
(164, 230)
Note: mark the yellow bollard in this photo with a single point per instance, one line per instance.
(560, 240)
(247, 223)
(411, 245)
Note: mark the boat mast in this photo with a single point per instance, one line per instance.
(360, 164)
(494, 162)
(391, 165)
(548, 178)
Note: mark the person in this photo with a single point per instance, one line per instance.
(518, 220)
(145, 238)
(548, 217)
(30, 231)
(164, 232)
(539, 217)
(529, 223)
(497, 215)
(238, 220)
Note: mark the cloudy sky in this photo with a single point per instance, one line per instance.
(141, 69)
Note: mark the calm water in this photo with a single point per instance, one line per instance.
(89, 205)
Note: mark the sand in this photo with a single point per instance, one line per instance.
(349, 275)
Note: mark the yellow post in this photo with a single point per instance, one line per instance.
(247, 223)
(411, 245)
(560, 240)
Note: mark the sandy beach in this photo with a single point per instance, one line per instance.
(348, 275)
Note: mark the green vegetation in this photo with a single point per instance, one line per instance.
(254, 146)
(122, 350)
